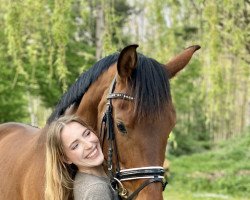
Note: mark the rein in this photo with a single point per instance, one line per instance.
(152, 174)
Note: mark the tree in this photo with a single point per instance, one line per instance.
(50, 43)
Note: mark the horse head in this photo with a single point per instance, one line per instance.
(135, 91)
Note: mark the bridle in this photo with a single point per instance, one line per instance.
(152, 174)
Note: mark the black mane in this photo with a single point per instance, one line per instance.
(150, 87)
(78, 89)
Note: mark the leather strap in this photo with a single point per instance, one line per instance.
(142, 172)
(142, 186)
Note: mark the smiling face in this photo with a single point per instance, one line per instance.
(81, 147)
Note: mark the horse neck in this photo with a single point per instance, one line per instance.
(88, 108)
(42, 137)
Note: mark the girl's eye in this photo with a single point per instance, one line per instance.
(86, 133)
(74, 147)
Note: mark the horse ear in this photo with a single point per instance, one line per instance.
(180, 61)
(127, 61)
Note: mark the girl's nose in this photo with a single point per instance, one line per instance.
(87, 144)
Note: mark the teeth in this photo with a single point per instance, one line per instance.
(92, 154)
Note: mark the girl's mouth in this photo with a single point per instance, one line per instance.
(93, 154)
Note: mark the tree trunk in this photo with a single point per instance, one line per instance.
(99, 31)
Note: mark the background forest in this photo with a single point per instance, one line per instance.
(46, 44)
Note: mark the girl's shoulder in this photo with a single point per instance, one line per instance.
(88, 186)
(89, 179)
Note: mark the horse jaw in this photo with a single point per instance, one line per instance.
(152, 191)
(180, 61)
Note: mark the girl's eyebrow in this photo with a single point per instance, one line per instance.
(77, 139)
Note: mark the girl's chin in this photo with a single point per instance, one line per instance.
(100, 160)
(97, 161)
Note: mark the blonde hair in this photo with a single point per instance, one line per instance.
(59, 174)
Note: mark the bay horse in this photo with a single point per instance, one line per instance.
(124, 97)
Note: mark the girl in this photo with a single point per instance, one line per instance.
(74, 162)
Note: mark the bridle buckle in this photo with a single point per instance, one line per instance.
(122, 191)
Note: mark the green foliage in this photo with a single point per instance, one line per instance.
(60, 31)
(225, 170)
(49, 44)
(116, 14)
(217, 108)
(190, 132)
(13, 101)
(77, 61)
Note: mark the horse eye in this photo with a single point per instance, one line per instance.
(121, 127)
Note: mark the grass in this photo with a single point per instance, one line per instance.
(185, 195)
(223, 173)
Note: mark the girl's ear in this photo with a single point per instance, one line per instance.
(66, 160)
(69, 162)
